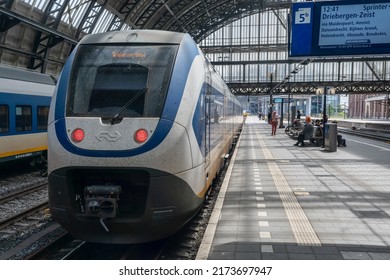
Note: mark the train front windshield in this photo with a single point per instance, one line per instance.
(111, 80)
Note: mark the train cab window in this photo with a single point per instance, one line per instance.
(117, 86)
(4, 119)
(23, 118)
(130, 80)
(42, 117)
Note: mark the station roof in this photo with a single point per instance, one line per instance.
(39, 34)
(198, 18)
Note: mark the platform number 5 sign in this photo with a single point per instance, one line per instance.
(302, 16)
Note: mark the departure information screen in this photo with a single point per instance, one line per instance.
(340, 28)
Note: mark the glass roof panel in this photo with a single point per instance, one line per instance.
(103, 22)
(39, 4)
(125, 27)
(75, 12)
(55, 8)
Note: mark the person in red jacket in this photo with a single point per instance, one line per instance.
(274, 122)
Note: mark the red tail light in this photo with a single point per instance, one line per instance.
(78, 135)
(141, 135)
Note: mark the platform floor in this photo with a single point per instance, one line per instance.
(279, 201)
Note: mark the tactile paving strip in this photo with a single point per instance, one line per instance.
(300, 224)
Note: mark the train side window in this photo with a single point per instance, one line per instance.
(42, 117)
(4, 119)
(23, 118)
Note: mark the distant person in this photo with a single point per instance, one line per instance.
(306, 133)
(317, 128)
(274, 122)
(299, 115)
(269, 117)
(325, 120)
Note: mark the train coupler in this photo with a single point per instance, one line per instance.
(102, 200)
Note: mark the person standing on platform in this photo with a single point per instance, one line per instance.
(274, 122)
(269, 117)
(299, 115)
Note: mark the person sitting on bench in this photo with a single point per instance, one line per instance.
(317, 129)
(306, 133)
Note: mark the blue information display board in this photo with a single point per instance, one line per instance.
(340, 28)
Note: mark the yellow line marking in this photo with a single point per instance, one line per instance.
(300, 224)
(25, 151)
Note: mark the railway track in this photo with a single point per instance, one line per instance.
(367, 133)
(23, 214)
(20, 193)
(65, 247)
(59, 248)
(21, 204)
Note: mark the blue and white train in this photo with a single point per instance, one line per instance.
(24, 108)
(138, 128)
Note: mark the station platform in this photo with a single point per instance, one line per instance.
(280, 202)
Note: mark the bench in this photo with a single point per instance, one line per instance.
(318, 140)
(316, 136)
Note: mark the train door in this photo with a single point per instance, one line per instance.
(207, 135)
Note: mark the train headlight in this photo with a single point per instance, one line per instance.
(78, 135)
(141, 135)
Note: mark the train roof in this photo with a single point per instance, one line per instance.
(25, 75)
(135, 37)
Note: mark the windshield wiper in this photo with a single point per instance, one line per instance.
(115, 117)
